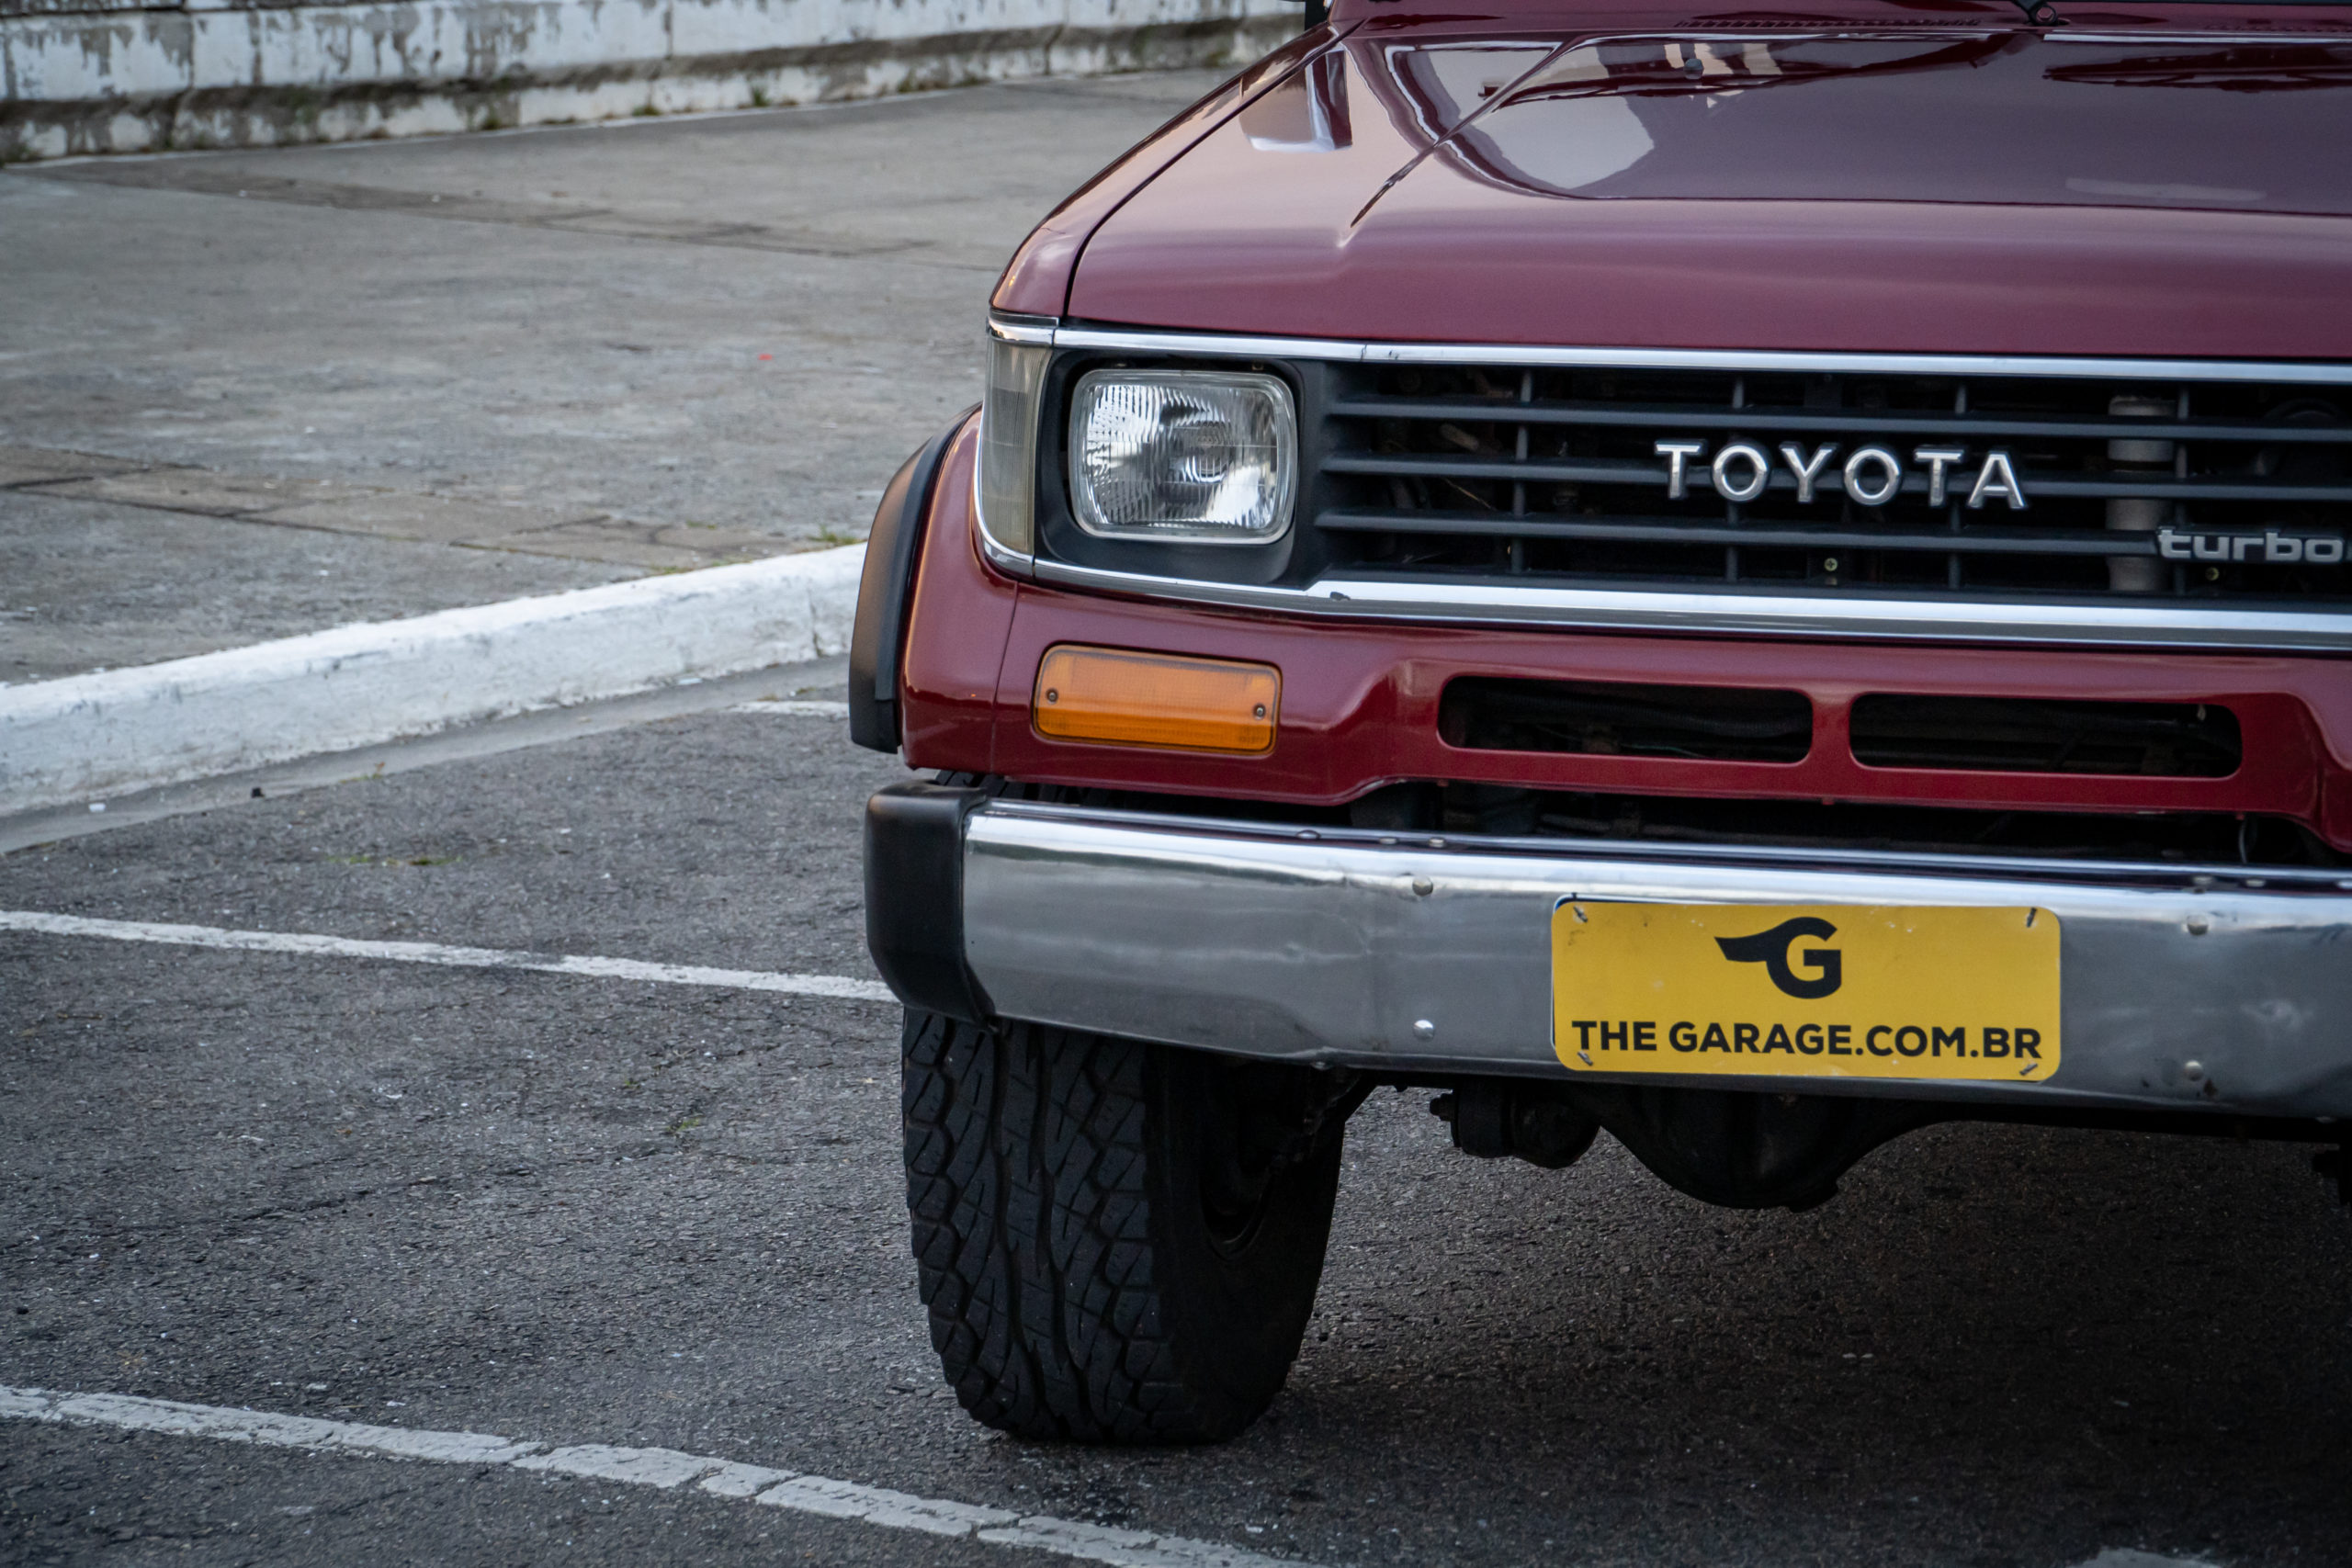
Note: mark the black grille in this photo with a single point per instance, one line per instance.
(2041, 736)
(1617, 719)
(2134, 489)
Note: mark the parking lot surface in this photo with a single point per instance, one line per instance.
(629, 1204)
(559, 357)
(581, 1210)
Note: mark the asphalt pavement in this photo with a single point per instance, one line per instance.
(516, 363)
(587, 1210)
(644, 1207)
(91, 585)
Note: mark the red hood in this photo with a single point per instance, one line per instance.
(1905, 185)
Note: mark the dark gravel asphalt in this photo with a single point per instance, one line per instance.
(590, 1210)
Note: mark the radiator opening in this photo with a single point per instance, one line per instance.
(1604, 475)
(1622, 719)
(2010, 735)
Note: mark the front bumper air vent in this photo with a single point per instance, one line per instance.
(1617, 719)
(2025, 736)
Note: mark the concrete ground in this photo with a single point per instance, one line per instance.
(580, 354)
(587, 1210)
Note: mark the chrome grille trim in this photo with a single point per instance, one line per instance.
(1241, 347)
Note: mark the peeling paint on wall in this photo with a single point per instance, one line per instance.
(102, 78)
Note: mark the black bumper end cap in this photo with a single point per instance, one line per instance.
(914, 896)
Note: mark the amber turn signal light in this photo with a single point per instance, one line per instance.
(1156, 699)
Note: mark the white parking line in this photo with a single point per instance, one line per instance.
(435, 953)
(665, 1469)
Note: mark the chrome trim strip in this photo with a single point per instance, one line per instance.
(1307, 946)
(1231, 346)
(2177, 876)
(1022, 329)
(1011, 562)
(2069, 34)
(1719, 613)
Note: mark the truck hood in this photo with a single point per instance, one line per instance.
(1921, 188)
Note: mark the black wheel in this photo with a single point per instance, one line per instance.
(1119, 1242)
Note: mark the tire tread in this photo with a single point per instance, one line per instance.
(1026, 1186)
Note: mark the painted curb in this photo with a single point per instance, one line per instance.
(89, 737)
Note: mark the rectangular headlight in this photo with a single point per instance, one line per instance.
(1204, 456)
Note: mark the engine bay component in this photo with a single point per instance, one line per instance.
(1748, 1151)
(1493, 1118)
(1736, 1149)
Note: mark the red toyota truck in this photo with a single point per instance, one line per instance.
(1754, 580)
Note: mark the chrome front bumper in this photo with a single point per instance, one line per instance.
(1416, 953)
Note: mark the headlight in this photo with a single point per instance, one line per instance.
(1205, 457)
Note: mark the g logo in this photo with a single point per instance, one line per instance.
(1771, 949)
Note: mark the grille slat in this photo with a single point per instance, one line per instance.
(1521, 470)
(2038, 483)
(1759, 536)
(2231, 490)
(1798, 422)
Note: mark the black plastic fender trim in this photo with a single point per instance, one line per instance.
(914, 896)
(883, 590)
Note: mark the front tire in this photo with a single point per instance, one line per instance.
(1118, 1242)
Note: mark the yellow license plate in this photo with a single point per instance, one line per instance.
(1805, 990)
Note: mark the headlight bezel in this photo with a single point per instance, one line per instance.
(1061, 540)
(1279, 413)
(1025, 521)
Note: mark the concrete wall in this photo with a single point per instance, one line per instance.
(116, 76)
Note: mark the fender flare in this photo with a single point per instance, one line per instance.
(884, 589)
